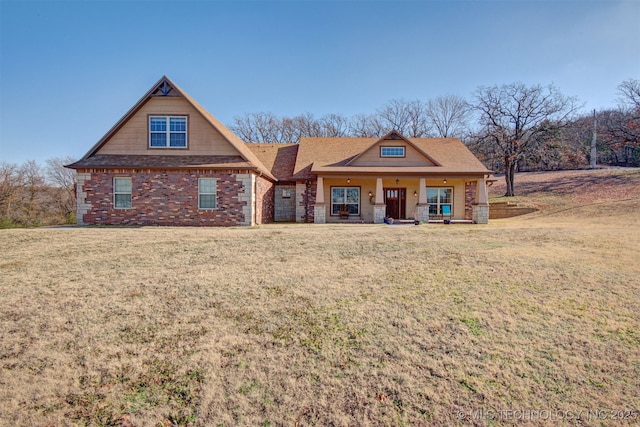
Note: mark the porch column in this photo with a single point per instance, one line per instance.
(379, 192)
(319, 209)
(481, 208)
(422, 192)
(481, 192)
(379, 209)
(422, 209)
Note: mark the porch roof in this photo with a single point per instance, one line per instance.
(333, 155)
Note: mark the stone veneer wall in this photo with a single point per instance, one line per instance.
(469, 199)
(264, 200)
(285, 207)
(163, 198)
(82, 205)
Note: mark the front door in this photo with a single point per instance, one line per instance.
(395, 199)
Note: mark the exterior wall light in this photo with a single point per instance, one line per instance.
(370, 194)
(415, 194)
(348, 180)
(444, 181)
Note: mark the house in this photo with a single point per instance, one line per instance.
(167, 161)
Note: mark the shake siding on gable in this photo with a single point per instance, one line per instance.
(372, 157)
(133, 136)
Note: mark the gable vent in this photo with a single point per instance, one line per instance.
(163, 89)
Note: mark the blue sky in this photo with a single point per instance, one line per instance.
(70, 69)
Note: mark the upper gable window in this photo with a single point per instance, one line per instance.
(168, 131)
(392, 152)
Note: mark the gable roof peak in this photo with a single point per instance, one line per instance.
(164, 87)
(394, 134)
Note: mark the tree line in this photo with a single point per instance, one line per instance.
(445, 116)
(511, 127)
(32, 195)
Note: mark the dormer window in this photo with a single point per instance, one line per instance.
(392, 152)
(167, 131)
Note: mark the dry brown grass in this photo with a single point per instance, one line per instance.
(324, 325)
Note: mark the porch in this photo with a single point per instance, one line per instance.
(376, 199)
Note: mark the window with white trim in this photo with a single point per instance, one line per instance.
(392, 152)
(122, 192)
(167, 131)
(347, 197)
(207, 193)
(438, 198)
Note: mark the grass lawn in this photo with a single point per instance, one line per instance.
(303, 325)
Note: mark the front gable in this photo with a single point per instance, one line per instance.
(192, 137)
(392, 150)
(131, 135)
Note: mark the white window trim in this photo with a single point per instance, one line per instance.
(130, 193)
(394, 147)
(168, 132)
(215, 193)
(345, 198)
(439, 204)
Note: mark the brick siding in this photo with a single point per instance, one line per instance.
(469, 199)
(264, 201)
(306, 200)
(163, 198)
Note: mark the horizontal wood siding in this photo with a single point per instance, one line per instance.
(371, 157)
(133, 136)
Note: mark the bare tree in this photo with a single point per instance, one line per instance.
(27, 199)
(334, 125)
(307, 125)
(513, 117)
(624, 127)
(448, 115)
(577, 137)
(621, 136)
(257, 127)
(11, 184)
(366, 126)
(407, 117)
(629, 94)
(34, 192)
(63, 182)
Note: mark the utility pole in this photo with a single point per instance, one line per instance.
(594, 151)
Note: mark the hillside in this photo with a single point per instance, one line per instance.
(600, 192)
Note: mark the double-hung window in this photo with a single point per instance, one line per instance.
(167, 131)
(440, 200)
(207, 193)
(348, 197)
(122, 192)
